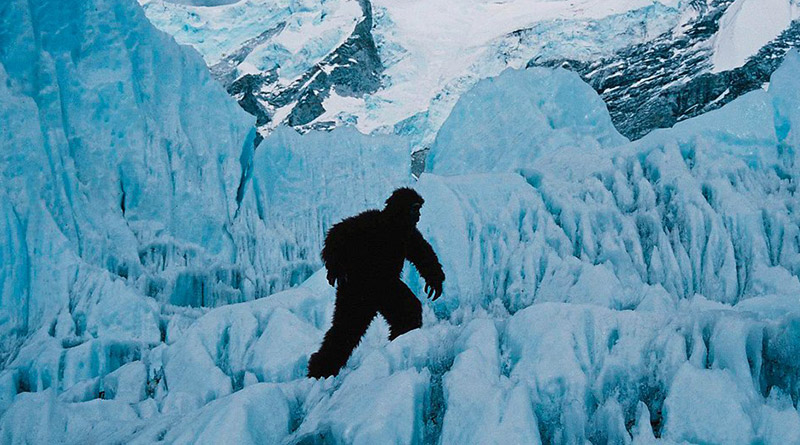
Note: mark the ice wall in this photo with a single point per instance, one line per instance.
(131, 191)
(120, 157)
(708, 207)
(119, 161)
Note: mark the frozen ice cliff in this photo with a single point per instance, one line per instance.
(160, 277)
(120, 164)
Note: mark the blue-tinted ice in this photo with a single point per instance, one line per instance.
(597, 289)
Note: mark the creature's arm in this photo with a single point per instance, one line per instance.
(422, 256)
(331, 254)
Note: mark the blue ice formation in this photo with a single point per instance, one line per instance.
(507, 122)
(708, 207)
(138, 167)
(120, 162)
(597, 290)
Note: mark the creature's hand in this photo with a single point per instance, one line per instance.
(433, 289)
(333, 277)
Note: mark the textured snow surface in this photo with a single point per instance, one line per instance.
(597, 290)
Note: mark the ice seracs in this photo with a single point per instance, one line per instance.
(120, 163)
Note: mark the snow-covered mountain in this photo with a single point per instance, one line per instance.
(399, 67)
(725, 50)
(161, 282)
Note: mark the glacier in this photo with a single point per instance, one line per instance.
(161, 280)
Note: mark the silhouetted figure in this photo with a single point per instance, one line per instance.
(364, 255)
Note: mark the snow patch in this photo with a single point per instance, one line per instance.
(746, 26)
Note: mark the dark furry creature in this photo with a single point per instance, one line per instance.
(364, 255)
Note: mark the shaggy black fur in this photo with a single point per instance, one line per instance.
(364, 255)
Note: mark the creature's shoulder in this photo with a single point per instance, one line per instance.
(363, 221)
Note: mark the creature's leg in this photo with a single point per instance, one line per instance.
(351, 318)
(401, 309)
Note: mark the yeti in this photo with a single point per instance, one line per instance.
(364, 256)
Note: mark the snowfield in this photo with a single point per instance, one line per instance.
(161, 279)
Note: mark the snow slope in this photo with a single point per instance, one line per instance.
(310, 30)
(748, 25)
(596, 289)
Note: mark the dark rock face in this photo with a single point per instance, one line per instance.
(246, 88)
(225, 70)
(353, 69)
(658, 83)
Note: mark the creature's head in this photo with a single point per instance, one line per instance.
(403, 206)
